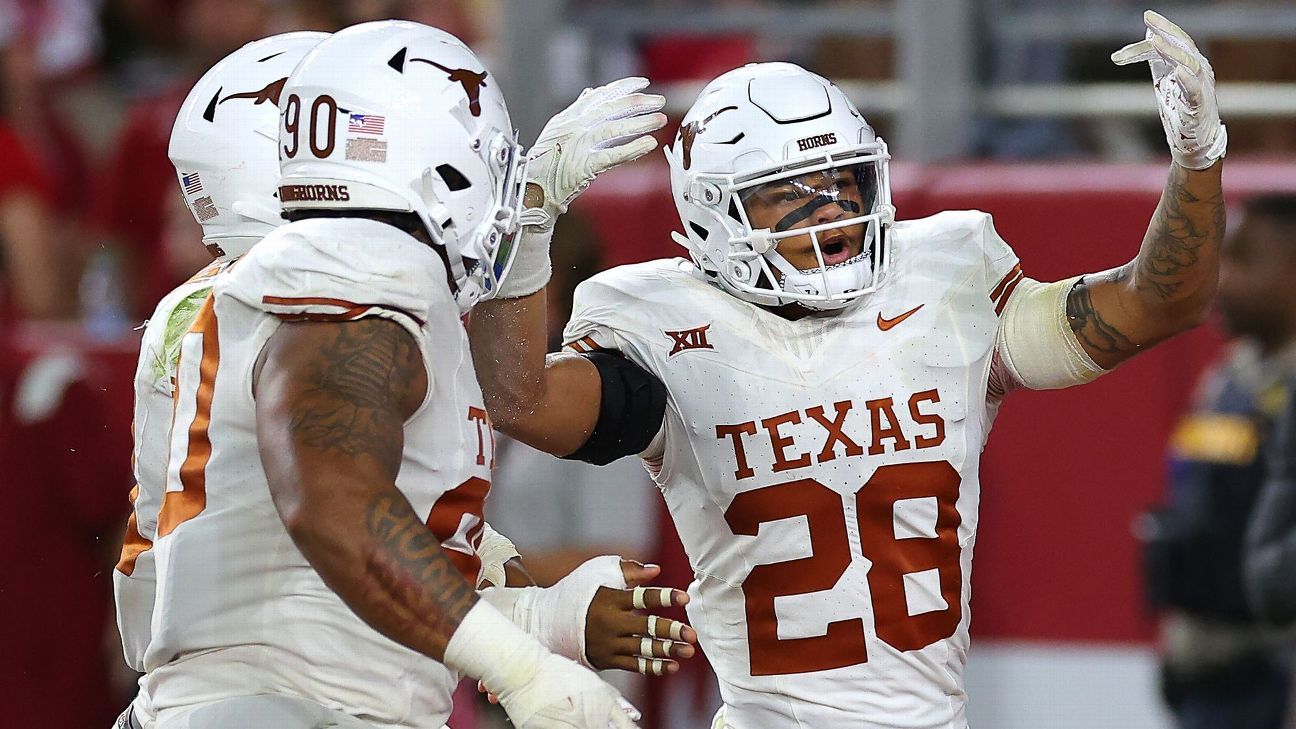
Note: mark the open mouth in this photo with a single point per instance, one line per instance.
(835, 250)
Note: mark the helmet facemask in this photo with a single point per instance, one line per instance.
(494, 239)
(813, 233)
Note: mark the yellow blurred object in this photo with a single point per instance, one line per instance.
(1216, 438)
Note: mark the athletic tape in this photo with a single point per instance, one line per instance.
(651, 666)
(665, 595)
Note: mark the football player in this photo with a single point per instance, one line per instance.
(812, 389)
(241, 614)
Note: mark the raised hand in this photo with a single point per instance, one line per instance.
(1185, 91)
(604, 127)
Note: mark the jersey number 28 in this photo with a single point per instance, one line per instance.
(893, 558)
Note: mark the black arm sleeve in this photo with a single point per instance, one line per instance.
(1270, 558)
(630, 414)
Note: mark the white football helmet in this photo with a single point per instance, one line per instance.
(224, 140)
(399, 116)
(772, 155)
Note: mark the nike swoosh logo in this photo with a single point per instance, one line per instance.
(886, 324)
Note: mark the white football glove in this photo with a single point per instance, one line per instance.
(1185, 91)
(565, 695)
(604, 127)
(556, 615)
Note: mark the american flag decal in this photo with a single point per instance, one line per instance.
(366, 124)
(192, 185)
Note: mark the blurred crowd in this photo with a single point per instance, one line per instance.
(89, 89)
(92, 234)
(88, 92)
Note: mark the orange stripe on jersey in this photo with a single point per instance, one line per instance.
(1007, 294)
(309, 301)
(134, 543)
(132, 547)
(1003, 282)
(583, 345)
(308, 316)
(180, 506)
(353, 310)
(210, 271)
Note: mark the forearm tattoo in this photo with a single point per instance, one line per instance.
(429, 595)
(356, 384)
(1183, 223)
(355, 389)
(1089, 326)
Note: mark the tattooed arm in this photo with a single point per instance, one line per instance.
(1168, 287)
(332, 400)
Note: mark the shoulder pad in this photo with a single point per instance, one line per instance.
(340, 270)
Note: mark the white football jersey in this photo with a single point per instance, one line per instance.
(238, 610)
(822, 473)
(133, 580)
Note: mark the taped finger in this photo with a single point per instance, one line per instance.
(652, 666)
(651, 648)
(665, 628)
(661, 597)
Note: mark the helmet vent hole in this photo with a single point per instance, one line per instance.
(454, 179)
(397, 61)
(699, 230)
(210, 112)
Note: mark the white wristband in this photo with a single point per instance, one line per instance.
(487, 646)
(1200, 158)
(557, 615)
(531, 268)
